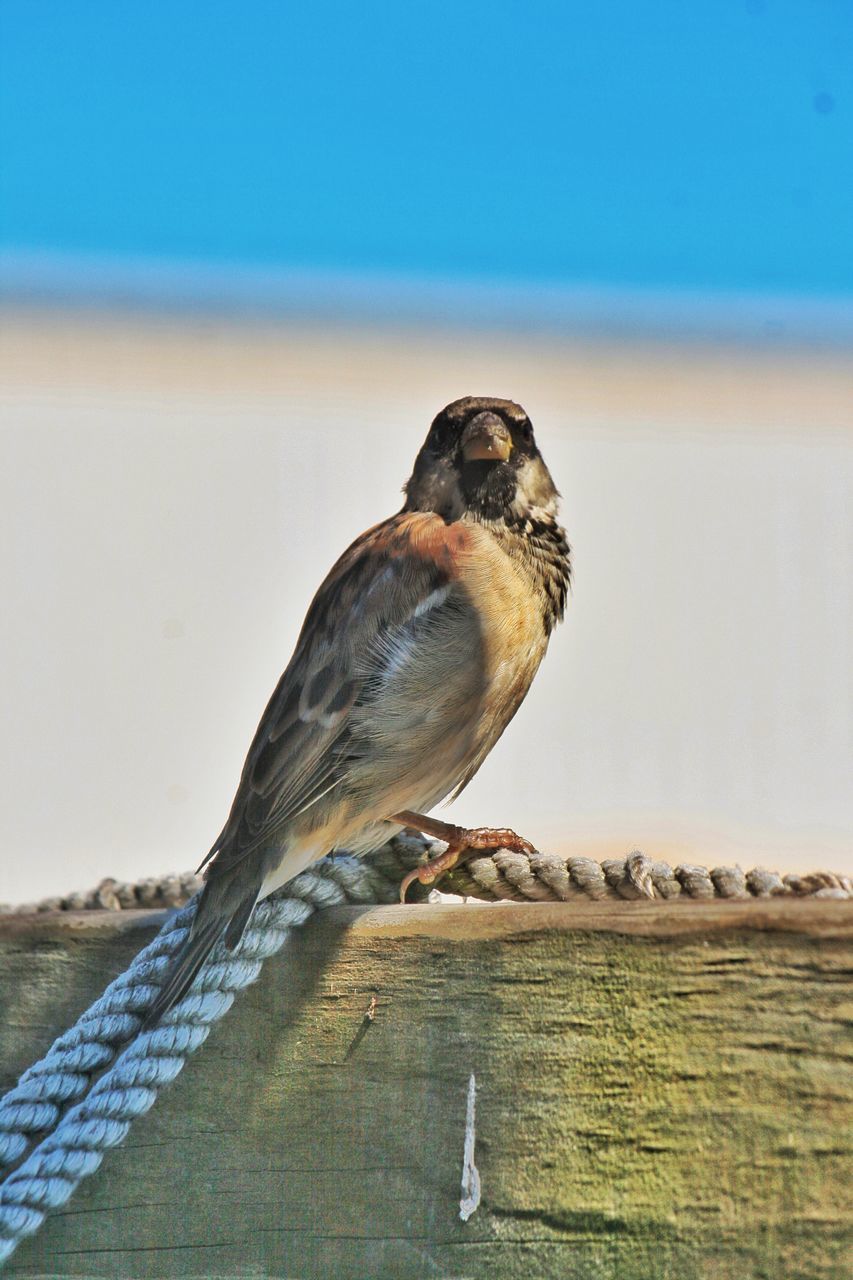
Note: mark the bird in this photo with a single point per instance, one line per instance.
(414, 656)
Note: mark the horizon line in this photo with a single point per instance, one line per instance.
(175, 286)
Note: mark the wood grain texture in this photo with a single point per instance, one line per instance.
(662, 1091)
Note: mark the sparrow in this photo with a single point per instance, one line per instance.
(415, 654)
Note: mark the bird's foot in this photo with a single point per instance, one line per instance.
(462, 843)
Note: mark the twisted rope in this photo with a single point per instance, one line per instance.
(116, 895)
(502, 876)
(135, 1067)
(84, 1120)
(542, 877)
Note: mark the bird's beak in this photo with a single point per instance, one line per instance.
(486, 439)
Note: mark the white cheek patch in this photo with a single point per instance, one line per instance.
(535, 494)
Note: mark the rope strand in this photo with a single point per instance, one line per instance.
(499, 876)
(135, 1067)
(540, 877)
(64, 1074)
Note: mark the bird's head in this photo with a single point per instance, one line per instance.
(480, 458)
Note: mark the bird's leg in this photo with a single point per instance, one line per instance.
(461, 843)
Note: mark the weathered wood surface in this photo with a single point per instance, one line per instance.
(663, 1090)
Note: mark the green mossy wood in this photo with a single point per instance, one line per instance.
(662, 1090)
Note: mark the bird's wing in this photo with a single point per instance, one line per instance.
(382, 708)
(392, 600)
(389, 654)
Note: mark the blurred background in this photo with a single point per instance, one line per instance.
(248, 251)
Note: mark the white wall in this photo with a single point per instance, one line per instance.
(172, 493)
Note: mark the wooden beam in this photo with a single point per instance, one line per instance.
(662, 1090)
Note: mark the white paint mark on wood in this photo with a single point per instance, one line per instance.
(470, 1173)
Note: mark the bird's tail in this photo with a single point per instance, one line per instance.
(208, 928)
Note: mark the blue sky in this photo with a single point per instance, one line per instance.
(663, 144)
